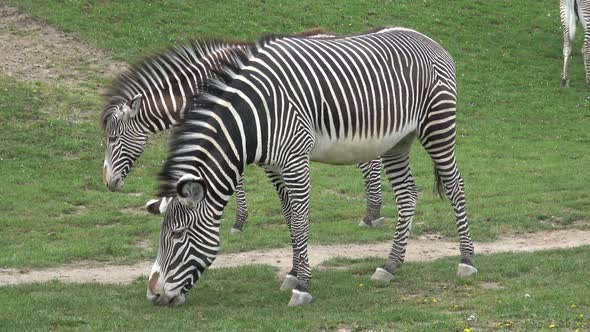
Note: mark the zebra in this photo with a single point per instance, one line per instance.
(152, 96)
(289, 101)
(572, 11)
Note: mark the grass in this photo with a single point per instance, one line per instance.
(521, 292)
(522, 144)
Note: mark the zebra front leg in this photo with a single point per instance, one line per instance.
(371, 173)
(290, 281)
(397, 169)
(241, 208)
(296, 177)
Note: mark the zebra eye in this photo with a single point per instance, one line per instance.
(177, 233)
(112, 139)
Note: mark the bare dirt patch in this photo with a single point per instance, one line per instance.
(421, 249)
(33, 51)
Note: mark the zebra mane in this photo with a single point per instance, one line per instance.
(128, 83)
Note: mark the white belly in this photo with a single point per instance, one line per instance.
(347, 151)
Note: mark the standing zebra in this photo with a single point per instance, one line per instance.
(338, 100)
(572, 11)
(153, 95)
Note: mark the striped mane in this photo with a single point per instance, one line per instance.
(132, 81)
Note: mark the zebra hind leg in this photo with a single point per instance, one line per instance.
(372, 175)
(241, 208)
(568, 24)
(439, 141)
(397, 169)
(586, 51)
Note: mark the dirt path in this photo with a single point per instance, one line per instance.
(425, 248)
(30, 51)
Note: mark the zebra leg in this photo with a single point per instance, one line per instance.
(290, 281)
(296, 177)
(437, 135)
(372, 174)
(568, 24)
(241, 208)
(586, 47)
(397, 169)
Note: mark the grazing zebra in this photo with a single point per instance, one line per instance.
(152, 96)
(572, 11)
(339, 100)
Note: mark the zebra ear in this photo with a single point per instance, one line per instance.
(191, 190)
(157, 206)
(134, 105)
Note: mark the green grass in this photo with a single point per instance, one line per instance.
(522, 292)
(522, 145)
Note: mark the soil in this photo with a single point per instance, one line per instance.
(424, 248)
(32, 51)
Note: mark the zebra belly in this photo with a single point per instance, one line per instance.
(347, 151)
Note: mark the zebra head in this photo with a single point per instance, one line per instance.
(189, 242)
(124, 139)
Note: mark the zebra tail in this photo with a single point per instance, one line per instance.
(438, 184)
(571, 17)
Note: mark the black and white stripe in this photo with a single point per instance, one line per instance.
(152, 96)
(572, 11)
(335, 100)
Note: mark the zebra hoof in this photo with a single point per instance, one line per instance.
(375, 223)
(378, 222)
(289, 283)
(466, 270)
(565, 83)
(300, 298)
(235, 231)
(382, 276)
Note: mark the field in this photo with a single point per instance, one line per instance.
(522, 148)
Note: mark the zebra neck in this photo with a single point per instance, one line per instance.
(214, 148)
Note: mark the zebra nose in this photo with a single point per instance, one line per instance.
(115, 184)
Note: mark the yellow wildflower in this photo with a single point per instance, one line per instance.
(552, 326)
(466, 329)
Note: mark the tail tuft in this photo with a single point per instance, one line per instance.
(438, 184)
